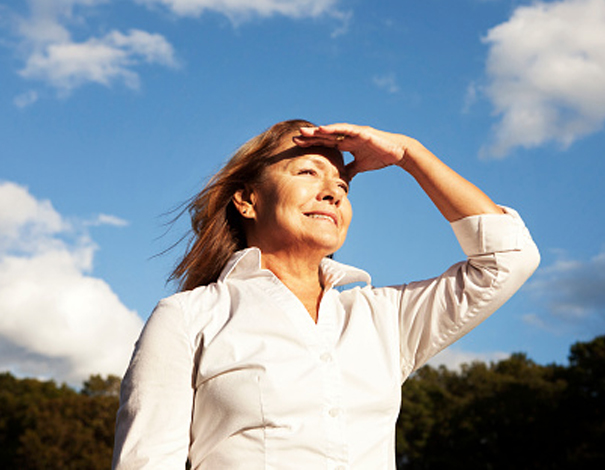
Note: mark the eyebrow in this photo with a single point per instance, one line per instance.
(342, 172)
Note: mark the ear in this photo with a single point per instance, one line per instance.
(244, 201)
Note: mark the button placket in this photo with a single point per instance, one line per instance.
(335, 416)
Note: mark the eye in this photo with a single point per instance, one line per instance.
(307, 171)
(344, 186)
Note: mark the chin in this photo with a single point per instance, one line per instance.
(326, 245)
(330, 249)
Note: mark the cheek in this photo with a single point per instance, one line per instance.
(347, 213)
(295, 197)
(270, 201)
(285, 204)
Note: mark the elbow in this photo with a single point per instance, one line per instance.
(523, 264)
(537, 257)
(532, 259)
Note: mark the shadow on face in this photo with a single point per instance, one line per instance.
(290, 151)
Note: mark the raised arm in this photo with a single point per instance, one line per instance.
(454, 196)
(501, 254)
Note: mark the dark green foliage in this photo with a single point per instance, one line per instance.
(45, 426)
(510, 414)
(513, 414)
(97, 386)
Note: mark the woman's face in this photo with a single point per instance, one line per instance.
(301, 204)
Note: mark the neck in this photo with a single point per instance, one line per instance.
(301, 276)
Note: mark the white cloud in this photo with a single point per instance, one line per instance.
(57, 320)
(239, 11)
(25, 223)
(453, 357)
(54, 57)
(242, 9)
(68, 65)
(546, 74)
(106, 219)
(48, 19)
(573, 292)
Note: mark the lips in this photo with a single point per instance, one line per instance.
(323, 215)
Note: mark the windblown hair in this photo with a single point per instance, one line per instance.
(217, 229)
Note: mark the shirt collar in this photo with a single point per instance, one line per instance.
(245, 264)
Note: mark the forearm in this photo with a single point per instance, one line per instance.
(454, 196)
(372, 149)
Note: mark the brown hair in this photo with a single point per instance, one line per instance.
(217, 230)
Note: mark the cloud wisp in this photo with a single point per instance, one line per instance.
(56, 319)
(387, 83)
(573, 292)
(546, 74)
(241, 10)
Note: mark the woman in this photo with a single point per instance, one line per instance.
(259, 363)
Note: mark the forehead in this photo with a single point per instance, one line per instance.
(322, 156)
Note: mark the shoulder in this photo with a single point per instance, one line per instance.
(198, 299)
(194, 310)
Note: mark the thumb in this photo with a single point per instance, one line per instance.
(352, 169)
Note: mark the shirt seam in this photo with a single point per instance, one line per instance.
(264, 420)
(485, 297)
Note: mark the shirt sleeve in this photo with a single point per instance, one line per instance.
(436, 312)
(154, 418)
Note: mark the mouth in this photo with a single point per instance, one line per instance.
(323, 215)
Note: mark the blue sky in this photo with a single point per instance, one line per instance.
(113, 113)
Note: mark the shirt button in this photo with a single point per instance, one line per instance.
(334, 412)
(326, 357)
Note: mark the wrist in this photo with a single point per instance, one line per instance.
(411, 150)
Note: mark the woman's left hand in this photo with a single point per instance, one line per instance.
(371, 149)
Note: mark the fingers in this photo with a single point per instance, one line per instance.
(340, 128)
(321, 140)
(331, 130)
(333, 135)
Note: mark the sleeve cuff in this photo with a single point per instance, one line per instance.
(490, 233)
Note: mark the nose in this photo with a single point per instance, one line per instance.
(332, 192)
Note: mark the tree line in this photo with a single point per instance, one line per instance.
(510, 414)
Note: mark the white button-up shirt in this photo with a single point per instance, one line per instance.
(236, 375)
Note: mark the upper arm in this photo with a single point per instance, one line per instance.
(156, 398)
(436, 312)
